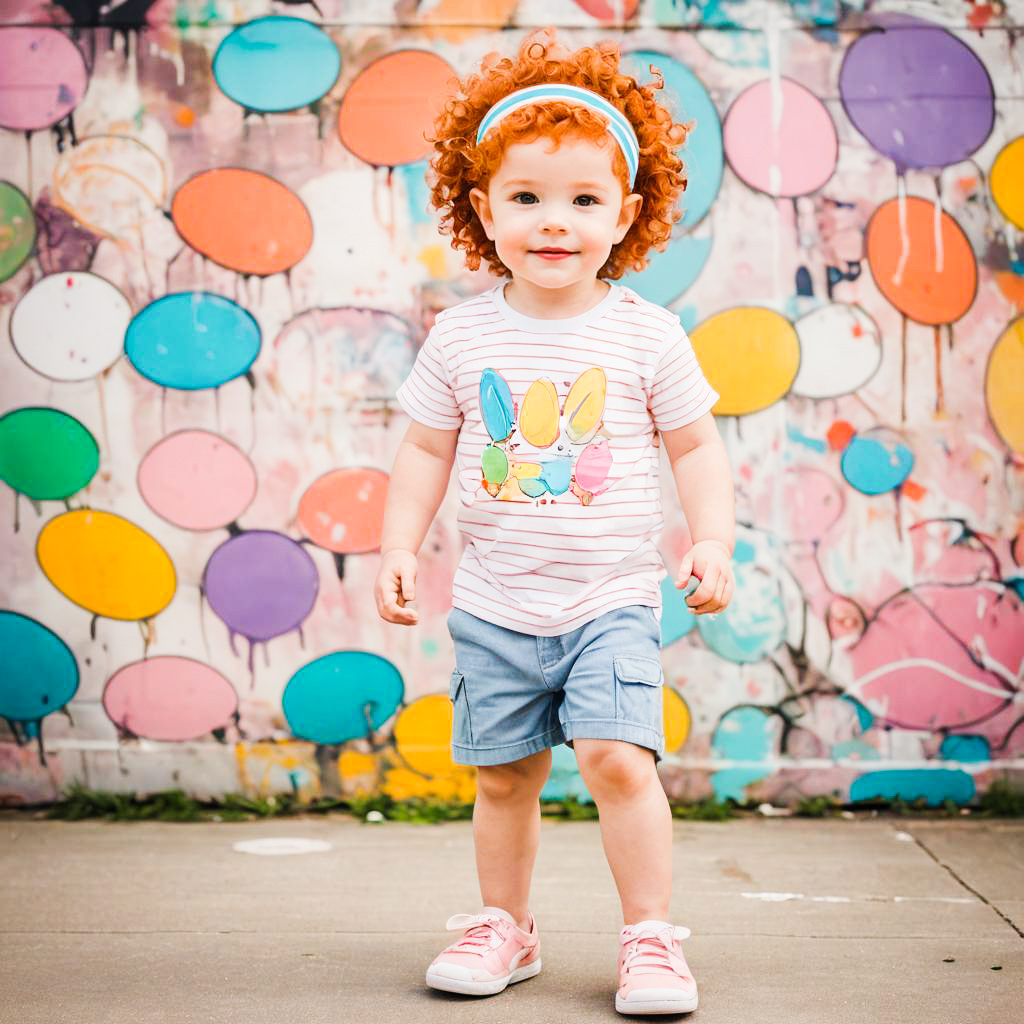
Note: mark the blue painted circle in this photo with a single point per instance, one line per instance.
(968, 749)
(753, 624)
(40, 673)
(276, 63)
(687, 99)
(330, 699)
(676, 618)
(670, 273)
(875, 463)
(933, 785)
(192, 340)
(746, 734)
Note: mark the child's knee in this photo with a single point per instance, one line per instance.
(518, 780)
(614, 767)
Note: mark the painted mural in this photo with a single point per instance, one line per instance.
(217, 264)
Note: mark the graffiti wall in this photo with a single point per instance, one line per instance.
(217, 264)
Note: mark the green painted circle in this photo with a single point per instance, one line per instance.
(17, 229)
(46, 454)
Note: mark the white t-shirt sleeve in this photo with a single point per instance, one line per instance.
(679, 392)
(427, 394)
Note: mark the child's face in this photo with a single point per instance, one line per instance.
(554, 214)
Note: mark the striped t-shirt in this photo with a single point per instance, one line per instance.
(558, 469)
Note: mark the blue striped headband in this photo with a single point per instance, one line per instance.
(618, 126)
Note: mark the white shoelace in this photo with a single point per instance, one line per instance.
(651, 947)
(482, 933)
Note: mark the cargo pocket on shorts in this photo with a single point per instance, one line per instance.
(638, 696)
(462, 733)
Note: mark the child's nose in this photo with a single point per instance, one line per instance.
(554, 219)
(554, 224)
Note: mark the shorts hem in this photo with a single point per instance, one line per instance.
(599, 729)
(503, 754)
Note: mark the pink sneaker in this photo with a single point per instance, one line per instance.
(493, 953)
(653, 974)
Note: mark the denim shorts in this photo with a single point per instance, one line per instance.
(515, 694)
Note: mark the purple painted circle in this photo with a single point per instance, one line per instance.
(261, 584)
(42, 78)
(918, 94)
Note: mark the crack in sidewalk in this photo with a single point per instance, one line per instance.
(970, 888)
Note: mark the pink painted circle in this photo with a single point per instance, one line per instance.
(197, 480)
(814, 502)
(169, 698)
(42, 78)
(780, 141)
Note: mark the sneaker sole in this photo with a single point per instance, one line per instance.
(482, 988)
(687, 1005)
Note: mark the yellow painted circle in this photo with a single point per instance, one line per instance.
(106, 565)
(357, 767)
(423, 733)
(1004, 386)
(1006, 180)
(677, 720)
(750, 355)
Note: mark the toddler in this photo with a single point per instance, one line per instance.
(549, 393)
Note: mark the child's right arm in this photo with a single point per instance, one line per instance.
(419, 479)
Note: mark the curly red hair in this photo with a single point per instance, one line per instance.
(459, 165)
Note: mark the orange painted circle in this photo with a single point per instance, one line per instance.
(391, 105)
(343, 510)
(243, 220)
(932, 284)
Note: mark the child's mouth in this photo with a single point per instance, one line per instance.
(552, 254)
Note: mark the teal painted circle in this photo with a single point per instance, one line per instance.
(670, 273)
(688, 100)
(192, 340)
(342, 696)
(966, 748)
(876, 462)
(564, 779)
(276, 63)
(933, 785)
(40, 674)
(753, 624)
(676, 618)
(744, 734)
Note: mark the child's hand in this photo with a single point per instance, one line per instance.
(396, 587)
(711, 562)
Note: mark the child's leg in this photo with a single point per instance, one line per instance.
(506, 831)
(636, 824)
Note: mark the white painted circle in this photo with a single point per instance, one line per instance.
(281, 846)
(840, 350)
(70, 326)
(112, 184)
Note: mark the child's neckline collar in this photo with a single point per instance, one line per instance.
(564, 325)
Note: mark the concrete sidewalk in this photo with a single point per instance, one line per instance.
(794, 922)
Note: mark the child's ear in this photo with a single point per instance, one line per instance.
(629, 212)
(482, 205)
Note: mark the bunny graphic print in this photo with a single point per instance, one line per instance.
(557, 460)
(544, 447)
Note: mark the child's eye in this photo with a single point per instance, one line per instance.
(587, 200)
(524, 197)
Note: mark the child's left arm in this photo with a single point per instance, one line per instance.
(703, 478)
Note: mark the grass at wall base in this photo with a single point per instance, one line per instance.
(79, 802)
